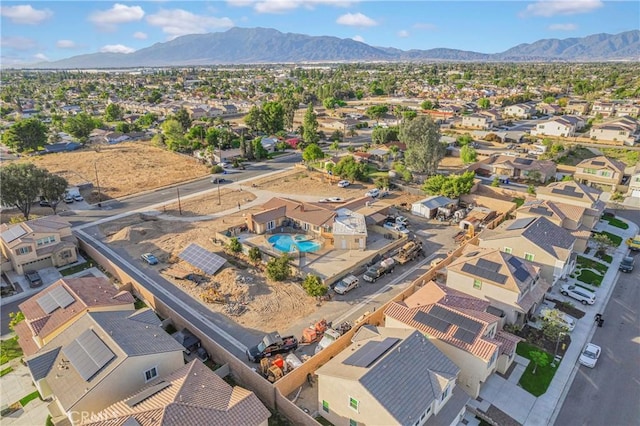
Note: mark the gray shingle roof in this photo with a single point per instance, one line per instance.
(547, 235)
(41, 365)
(405, 381)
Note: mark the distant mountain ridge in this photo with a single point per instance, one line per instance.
(265, 45)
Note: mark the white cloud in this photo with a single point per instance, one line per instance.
(356, 20)
(282, 6)
(403, 33)
(178, 22)
(41, 57)
(118, 14)
(562, 27)
(140, 35)
(549, 8)
(25, 14)
(66, 44)
(240, 3)
(18, 43)
(358, 38)
(116, 48)
(425, 26)
(276, 6)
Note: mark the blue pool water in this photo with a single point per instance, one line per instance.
(284, 243)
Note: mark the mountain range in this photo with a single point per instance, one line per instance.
(264, 45)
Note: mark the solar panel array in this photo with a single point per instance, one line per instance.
(487, 274)
(59, 297)
(88, 354)
(597, 163)
(147, 393)
(568, 191)
(429, 320)
(370, 352)
(542, 211)
(13, 233)
(520, 273)
(520, 223)
(525, 161)
(467, 328)
(487, 264)
(202, 259)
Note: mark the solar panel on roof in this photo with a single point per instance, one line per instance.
(202, 259)
(147, 393)
(597, 163)
(13, 233)
(542, 211)
(522, 274)
(61, 296)
(47, 303)
(520, 223)
(88, 354)
(568, 191)
(487, 264)
(464, 335)
(431, 321)
(484, 273)
(515, 262)
(525, 161)
(370, 352)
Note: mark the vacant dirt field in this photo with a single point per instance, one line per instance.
(208, 204)
(123, 169)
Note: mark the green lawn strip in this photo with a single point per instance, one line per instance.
(519, 201)
(535, 384)
(585, 262)
(605, 257)
(24, 401)
(75, 269)
(9, 350)
(6, 371)
(614, 238)
(614, 221)
(587, 276)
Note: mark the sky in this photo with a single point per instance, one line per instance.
(50, 30)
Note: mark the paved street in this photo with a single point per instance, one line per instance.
(609, 394)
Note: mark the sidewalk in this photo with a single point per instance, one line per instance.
(16, 385)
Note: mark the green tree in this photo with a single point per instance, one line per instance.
(484, 103)
(553, 324)
(409, 115)
(531, 190)
(272, 118)
(377, 111)
(290, 105)
(313, 286)
(253, 119)
(451, 186)
(335, 147)
(113, 112)
(567, 178)
(255, 255)
(259, 152)
(381, 135)
(234, 245)
(123, 127)
(310, 127)
(174, 135)
(312, 153)
(278, 269)
(539, 359)
(426, 105)
(147, 120)
(549, 99)
(464, 140)
(603, 244)
(80, 126)
(468, 154)
(182, 116)
(424, 149)
(53, 188)
(329, 103)
(349, 168)
(21, 186)
(495, 182)
(15, 319)
(337, 135)
(25, 135)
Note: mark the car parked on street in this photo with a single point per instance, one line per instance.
(218, 180)
(627, 264)
(590, 354)
(78, 197)
(586, 297)
(346, 284)
(344, 183)
(150, 258)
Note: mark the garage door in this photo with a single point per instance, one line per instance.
(38, 264)
(636, 193)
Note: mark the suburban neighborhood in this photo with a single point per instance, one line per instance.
(336, 243)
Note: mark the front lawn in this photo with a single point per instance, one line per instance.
(519, 201)
(606, 257)
(587, 276)
(24, 401)
(614, 221)
(584, 262)
(6, 371)
(614, 238)
(76, 268)
(9, 349)
(535, 384)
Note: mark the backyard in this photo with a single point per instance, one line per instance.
(9, 350)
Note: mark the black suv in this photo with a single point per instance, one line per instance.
(34, 278)
(627, 264)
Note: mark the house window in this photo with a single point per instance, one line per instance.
(353, 403)
(23, 250)
(356, 240)
(590, 171)
(44, 241)
(271, 225)
(445, 394)
(493, 358)
(606, 173)
(477, 284)
(528, 256)
(305, 226)
(150, 374)
(507, 250)
(353, 422)
(325, 406)
(65, 254)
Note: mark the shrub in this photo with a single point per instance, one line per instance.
(234, 245)
(278, 269)
(313, 286)
(254, 254)
(217, 169)
(382, 182)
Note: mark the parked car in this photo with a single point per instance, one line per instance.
(34, 278)
(224, 165)
(627, 264)
(202, 354)
(331, 200)
(78, 197)
(218, 180)
(271, 344)
(373, 193)
(396, 227)
(346, 284)
(344, 183)
(586, 297)
(590, 354)
(565, 319)
(401, 220)
(44, 203)
(150, 258)
(68, 199)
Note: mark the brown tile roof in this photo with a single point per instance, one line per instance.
(304, 212)
(481, 346)
(269, 215)
(508, 342)
(195, 395)
(87, 292)
(25, 338)
(608, 163)
(534, 295)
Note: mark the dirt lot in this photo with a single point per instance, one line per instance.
(123, 169)
(208, 204)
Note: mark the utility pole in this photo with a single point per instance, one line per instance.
(179, 205)
(95, 166)
(219, 202)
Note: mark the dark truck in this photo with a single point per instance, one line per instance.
(378, 270)
(270, 345)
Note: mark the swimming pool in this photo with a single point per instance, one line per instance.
(286, 243)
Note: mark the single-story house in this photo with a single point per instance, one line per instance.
(429, 206)
(269, 143)
(61, 147)
(116, 137)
